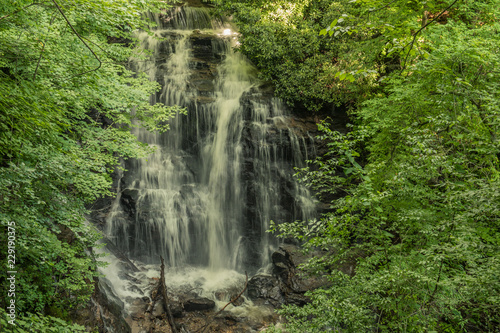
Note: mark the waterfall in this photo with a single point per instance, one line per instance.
(223, 171)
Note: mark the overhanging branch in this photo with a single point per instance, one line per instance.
(422, 28)
(79, 37)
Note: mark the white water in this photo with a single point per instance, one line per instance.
(204, 199)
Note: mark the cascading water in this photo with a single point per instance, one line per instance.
(223, 171)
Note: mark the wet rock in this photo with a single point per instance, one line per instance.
(159, 309)
(108, 309)
(265, 288)
(200, 64)
(135, 289)
(138, 316)
(108, 297)
(229, 294)
(128, 277)
(297, 299)
(125, 262)
(204, 99)
(140, 301)
(129, 199)
(176, 309)
(131, 194)
(202, 45)
(293, 283)
(203, 85)
(200, 281)
(238, 301)
(221, 295)
(199, 304)
(229, 318)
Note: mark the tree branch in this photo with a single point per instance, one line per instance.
(437, 283)
(79, 37)
(163, 289)
(384, 6)
(225, 306)
(38, 62)
(419, 30)
(43, 49)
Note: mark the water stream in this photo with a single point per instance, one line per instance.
(205, 198)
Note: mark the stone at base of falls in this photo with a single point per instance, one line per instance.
(287, 284)
(198, 304)
(176, 310)
(159, 309)
(228, 294)
(293, 283)
(264, 288)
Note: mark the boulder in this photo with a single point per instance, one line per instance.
(176, 309)
(229, 294)
(108, 298)
(138, 307)
(159, 309)
(264, 288)
(198, 304)
(293, 283)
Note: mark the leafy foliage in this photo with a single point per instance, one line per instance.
(281, 38)
(67, 103)
(359, 42)
(38, 323)
(418, 219)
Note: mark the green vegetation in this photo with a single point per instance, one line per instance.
(35, 323)
(419, 170)
(66, 101)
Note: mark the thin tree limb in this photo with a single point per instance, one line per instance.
(431, 298)
(43, 49)
(163, 289)
(419, 30)
(106, 52)
(236, 298)
(79, 37)
(38, 62)
(384, 6)
(225, 306)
